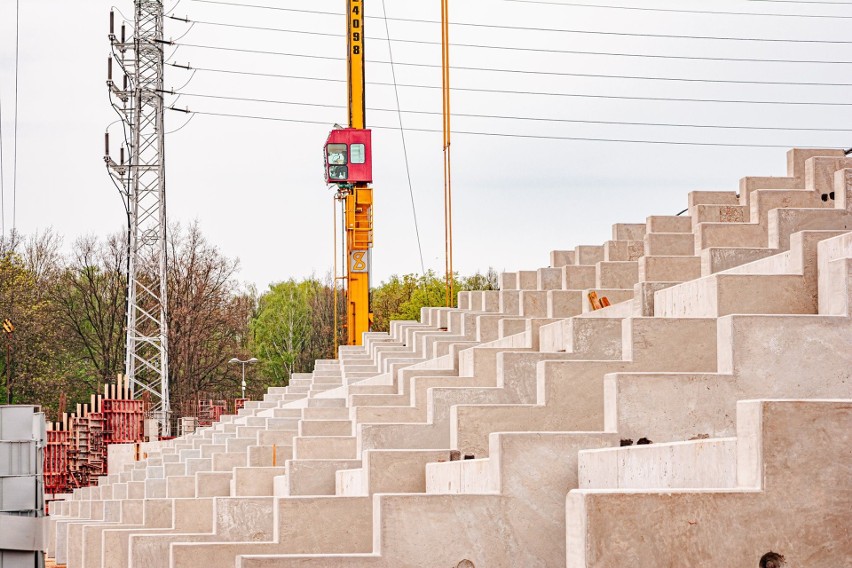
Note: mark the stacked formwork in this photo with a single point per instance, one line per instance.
(78, 449)
(22, 440)
(56, 462)
(210, 411)
(77, 455)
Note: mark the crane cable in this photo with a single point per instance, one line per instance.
(448, 196)
(402, 135)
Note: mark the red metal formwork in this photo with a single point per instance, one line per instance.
(78, 451)
(56, 462)
(209, 411)
(239, 403)
(97, 449)
(123, 421)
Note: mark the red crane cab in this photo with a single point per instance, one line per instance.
(349, 156)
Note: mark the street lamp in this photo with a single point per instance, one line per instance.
(251, 361)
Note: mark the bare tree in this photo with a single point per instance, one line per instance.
(92, 296)
(208, 317)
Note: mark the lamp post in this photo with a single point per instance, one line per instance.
(251, 361)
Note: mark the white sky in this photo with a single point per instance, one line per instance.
(256, 187)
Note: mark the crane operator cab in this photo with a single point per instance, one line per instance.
(348, 157)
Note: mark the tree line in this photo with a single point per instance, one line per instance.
(68, 306)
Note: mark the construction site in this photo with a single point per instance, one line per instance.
(678, 394)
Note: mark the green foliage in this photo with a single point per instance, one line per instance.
(293, 326)
(402, 297)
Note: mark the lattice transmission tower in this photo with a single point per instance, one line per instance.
(139, 102)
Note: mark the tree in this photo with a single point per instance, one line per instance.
(403, 297)
(39, 366)
(294, 326)
(208, 317)
(91, 294)
(388, 298)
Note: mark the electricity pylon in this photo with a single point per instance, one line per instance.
(142, 179)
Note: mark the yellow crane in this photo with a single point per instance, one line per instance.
(348, 165)
(348, 161)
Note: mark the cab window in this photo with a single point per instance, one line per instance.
(338, 172)
(358, 153)
(337, 154)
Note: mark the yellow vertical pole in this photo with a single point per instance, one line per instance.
(448, 185)
(359, 200)
(334, 281)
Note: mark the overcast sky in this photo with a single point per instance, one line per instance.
(256, 186)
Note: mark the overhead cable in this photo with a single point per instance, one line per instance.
(17, 104)
(678, 10)
(802, 2)
(511, 135)
(521, 118)
(2, 182)
(544, 29)
(540, 93)
(523, 49)
(522, 71)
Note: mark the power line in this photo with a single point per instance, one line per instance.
(264, 28)
(529, 49)
(510, 135)
(802, 2)
(2, 182)
(525, 118)
(402, 136)
(546, 50)
(533, 93)
(678, 10)
(624, 54)
(542, 29)
(524, 71)
(15, 136)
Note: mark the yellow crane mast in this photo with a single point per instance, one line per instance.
(348, 158)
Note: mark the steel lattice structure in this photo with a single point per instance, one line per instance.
(143, 181)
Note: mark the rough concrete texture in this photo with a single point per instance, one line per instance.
(702, 419)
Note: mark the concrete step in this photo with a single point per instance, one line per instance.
(669, 224)
(669, 244)
(781, 474)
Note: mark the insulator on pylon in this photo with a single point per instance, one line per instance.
(106, 143)
(125, 82)
(121, 156)
(109, 69)
(123, 28)
(111, 22)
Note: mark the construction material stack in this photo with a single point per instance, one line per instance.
(22, 441)
(209, 411)
(77, 445)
